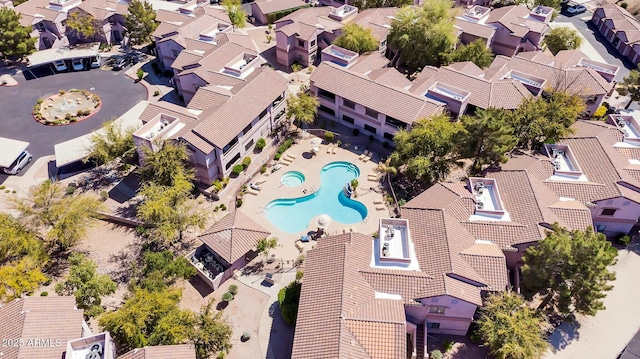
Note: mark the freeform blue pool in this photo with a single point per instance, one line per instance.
(292, 178)
(293, 215)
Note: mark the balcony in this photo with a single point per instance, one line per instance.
(343, 12)
(241, 65)
(476, 13)
(394, 248)
(565, 164)
(488, 201)
(338, 55)
(533, 83)
(630, 128)
(605, 70)
(85, 347)
(208, 267)
(445, 93)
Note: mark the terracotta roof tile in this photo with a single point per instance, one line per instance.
(271, 6)
(475, 29)
(394, 102)
(233, 236)
(183, 351)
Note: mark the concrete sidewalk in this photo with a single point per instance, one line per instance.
(606, 334)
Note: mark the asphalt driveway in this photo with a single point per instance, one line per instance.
(118, 92)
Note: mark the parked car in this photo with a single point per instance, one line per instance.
(60, 65)
(95, 62)
(77, 64)
(574, 9)
(123, 62)
(17, 165)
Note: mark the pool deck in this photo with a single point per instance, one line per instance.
(311, 165)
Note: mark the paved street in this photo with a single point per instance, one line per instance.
(607, 333)
(118, 93)
(597, 41)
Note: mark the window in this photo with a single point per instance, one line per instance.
(370, 128)
(325, 109)
(327, 95)
(278, 100)
(395, 123)
(388, 136)
(263, 113)
(616, 41)
(279, 114)
(40, 27)
(229, 145)
(246, 129)
(608, 212)
(371, 113)
(600, 227)
(234, 160)
(312, 43)
(301, 43)
(433, 325)
(346, 118)
(349, 104)
(248, 145)
(437, 309)
(383, 43)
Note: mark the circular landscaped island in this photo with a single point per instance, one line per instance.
(66, 107)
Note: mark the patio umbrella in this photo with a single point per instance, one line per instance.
(323, 221)
(315, 144)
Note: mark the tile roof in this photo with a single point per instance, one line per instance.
(34, 11)
(516, 19)
(377, 19)
(368, 62)
(40, 318)
(472, 28)
(182, 351)
(395, 102)
(154, 109)
(233, 236)
(220, 125)
(209, 97)
(389, 76)
(303, 31)
(271, 6)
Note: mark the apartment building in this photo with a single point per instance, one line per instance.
(222, 121)
(620, 28)
(268, 11)
(109, 16)
(508, 30)
(383, 296)
(48, 19)
(375, 101)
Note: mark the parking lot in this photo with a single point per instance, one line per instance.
(118, 92)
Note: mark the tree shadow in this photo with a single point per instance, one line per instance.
(564, 334)
(281, 335)
(131, 254)
(222, 305)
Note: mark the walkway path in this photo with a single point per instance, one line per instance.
(605, 334)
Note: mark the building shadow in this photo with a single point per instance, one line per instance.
(203, 288)
(281, 335)
(610, 48)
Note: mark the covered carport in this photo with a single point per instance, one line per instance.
(69, 154)
(11, 149)
(40, 62)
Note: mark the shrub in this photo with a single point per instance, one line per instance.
(86, 112)
(435, 354)
(263, 169)
(624, 240)
(80, 113)
(227, 297)
(245, 336)
(329, 136)
(600, 112)
(354, 184)
(448, 345)
(156, 93)
(215, 209)
(299, 275)
(39, 101)
(356, 132)
(239, 202)
(104, 195)
(260, 144)
(223, 207)
(140, 74)
(277, 156)
(44, 294)
(624, 5)
(233, 289)
(371, 138)
(338, 143)
(237, 169)
(218, 185)
(67, 116)
(3, 187)
(246, 162)
(61, 92)
(70, 189)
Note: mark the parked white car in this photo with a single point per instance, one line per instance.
(60, 65)
(96, 62)
(17, 165)
(77, 64)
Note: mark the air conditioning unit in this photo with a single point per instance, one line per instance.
(479, 205)
(479, 186)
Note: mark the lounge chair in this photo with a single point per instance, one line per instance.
(363, 155)
(380, 207)
(378, 201)
(329, 148)
(367, 158)
(305, 238)
(333, 150)
(254, 186)
(292, 157)
(252, 191)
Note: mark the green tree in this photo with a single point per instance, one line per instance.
(476, 52)
(288, 300)
(20, 277)
(17, 242)
(422, 36)
(140, 22)
(489, 138)
(302, 108)
(84, 24)
(370, 4)
(545, 119)
(510, 329)
(164, 165)
(211, 334)
(160, 270)
(427, 152)
(356, 38)
(562, 38)
(62, 220)
(265, 245)
(86, 285)
(556, 4)
(237, 16)
(630, 86)
(15, 39)
(134, 324)
(569, 270)
(170, 209)
(110, 143)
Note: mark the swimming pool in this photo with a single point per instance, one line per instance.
(293, 215)
(292, 178)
